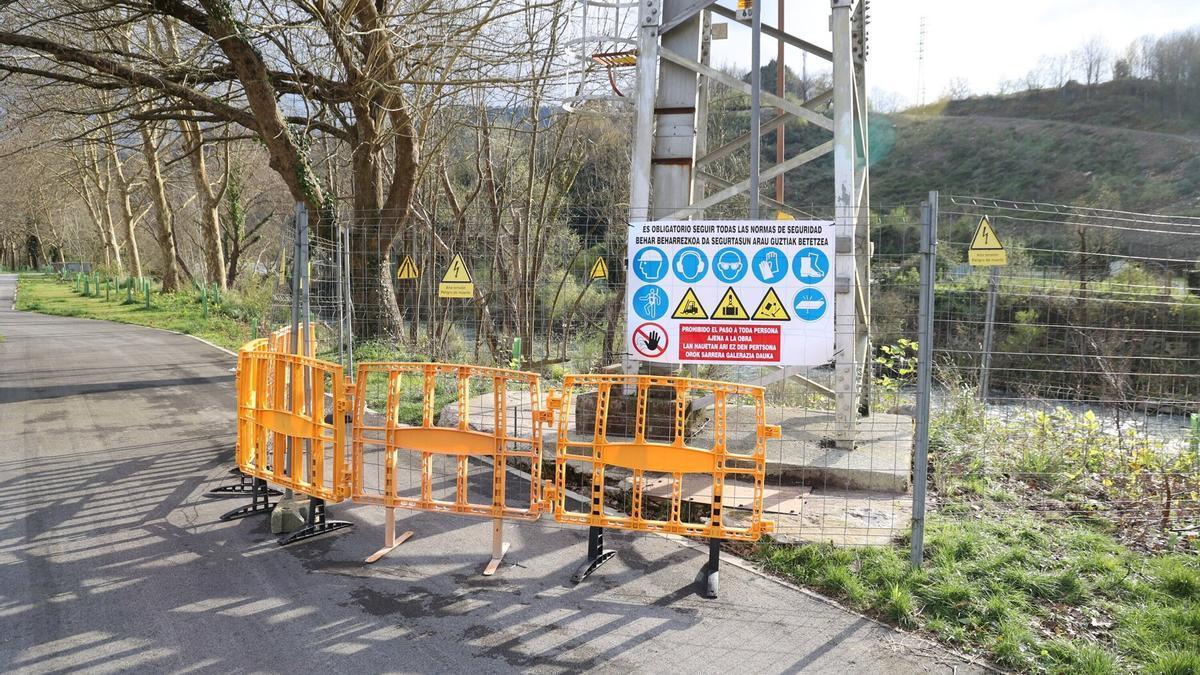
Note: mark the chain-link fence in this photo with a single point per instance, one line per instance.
(548, 295)
(1074, 394)
(1092, 373)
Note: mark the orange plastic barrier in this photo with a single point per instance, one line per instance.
(286, 434)
(280, 341)
(394, 448)
(595, 449)
(643, 458)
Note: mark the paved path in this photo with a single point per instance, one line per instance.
(110, 559)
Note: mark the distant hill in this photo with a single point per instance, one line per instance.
(1128, 104)
(1117, 147)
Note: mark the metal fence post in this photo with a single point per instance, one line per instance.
(929, 214)
(989, 332)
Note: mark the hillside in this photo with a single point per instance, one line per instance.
(1128, 104)
(1037, 146)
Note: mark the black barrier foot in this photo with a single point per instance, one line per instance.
(260, 502)
(316, 524)
(597, 555)
(243, 488)
(710, 575)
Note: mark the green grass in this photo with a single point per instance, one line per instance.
(227, 326)
(1031, 594)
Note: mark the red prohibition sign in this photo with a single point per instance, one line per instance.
(650, 340)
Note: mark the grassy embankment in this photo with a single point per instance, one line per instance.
(227, 324)
(1054, 546)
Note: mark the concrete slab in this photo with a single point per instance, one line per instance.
(849, 518)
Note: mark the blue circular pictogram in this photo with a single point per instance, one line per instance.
(770, 265)
(650, 264)
(810, 304)
(810, 265)
(730, 265)
(690, 264)
(650, 302)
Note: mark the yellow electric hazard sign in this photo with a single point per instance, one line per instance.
(730, 308)
(986, 249)
(457, 282)
(689, 307)
(407, 269)
(771, 309)
(599, 270)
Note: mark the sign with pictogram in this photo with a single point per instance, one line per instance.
(407, 269)
(599, 269)
(730, 308)
(649, 340)
(689, 307)
(770, 308)
(746, 292)
(457, 282)
(986, 249)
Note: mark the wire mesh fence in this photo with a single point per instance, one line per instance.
(1093, 370)
(548, 296)
(1082, 405)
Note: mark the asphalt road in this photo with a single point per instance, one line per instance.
(111, 559)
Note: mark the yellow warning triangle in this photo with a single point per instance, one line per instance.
(407, 269)
(599, 269)
(985, 238)
(771, 309)
(730, 308)
(458, 272)
(689, 307)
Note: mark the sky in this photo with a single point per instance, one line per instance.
(984, 42)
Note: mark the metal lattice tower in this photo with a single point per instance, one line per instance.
(668, 177)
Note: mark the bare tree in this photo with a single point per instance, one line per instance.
(1093, 58)
(371, 76)
(164, 215)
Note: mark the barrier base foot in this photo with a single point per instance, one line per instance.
(709, 582)
(711, 572)
(246, 486)
(591, 565)
(316, 524)
(494, 563)
(255, 508)
(597, 555)
(260, 502)
(390, 547)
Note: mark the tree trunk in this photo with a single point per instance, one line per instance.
(210, 201)
(164, 216)
(371, 290)
(125, 185)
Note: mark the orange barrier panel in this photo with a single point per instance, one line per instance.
(286, 433)
(643, 435)
(280, 341)
(495, 431)
(378, 439)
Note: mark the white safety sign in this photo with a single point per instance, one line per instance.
(748, 292)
